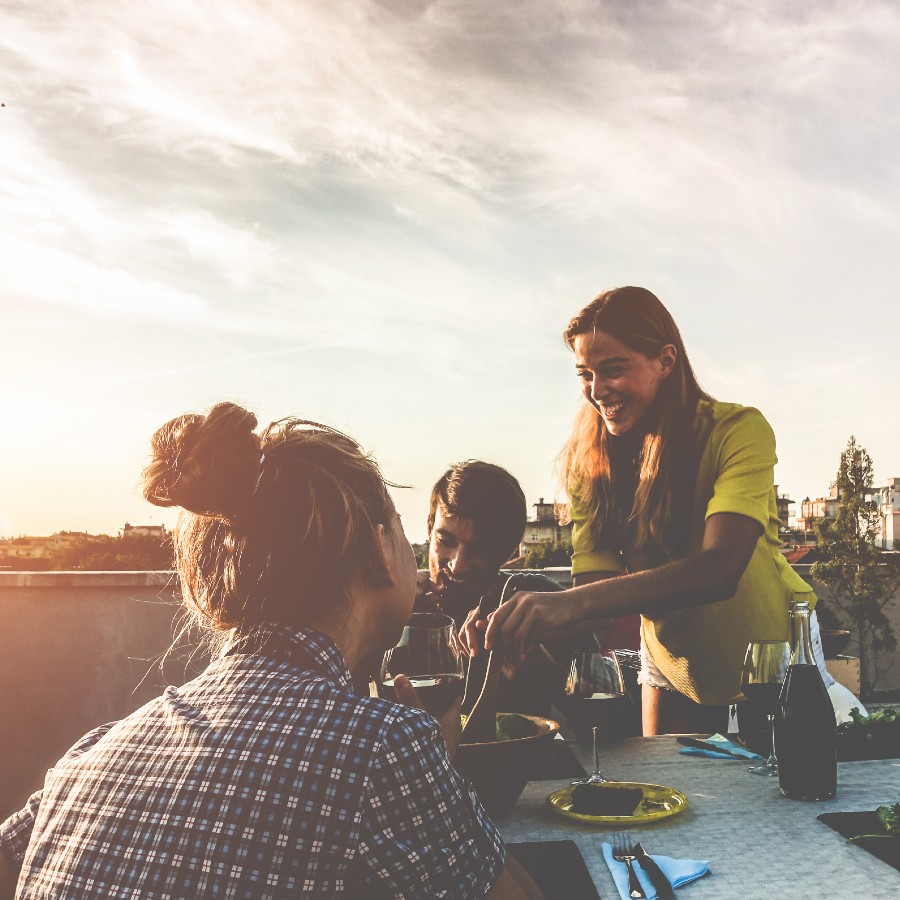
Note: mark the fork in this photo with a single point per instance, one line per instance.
(623, 852)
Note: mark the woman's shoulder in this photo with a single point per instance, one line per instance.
(728, 428)
(719, 414)
(722, 409)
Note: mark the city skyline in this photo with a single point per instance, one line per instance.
(421, 542)
(381, 215)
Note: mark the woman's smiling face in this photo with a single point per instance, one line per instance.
(620, 383)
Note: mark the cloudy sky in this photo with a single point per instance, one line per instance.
(382, 214)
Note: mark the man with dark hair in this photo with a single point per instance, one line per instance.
(476, 519)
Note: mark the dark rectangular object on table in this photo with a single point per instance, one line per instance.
(605, 799)
(557, 867)
(851, 824)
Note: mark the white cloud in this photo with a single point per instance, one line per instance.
(354, 189)
(240, 254)
(46, 275)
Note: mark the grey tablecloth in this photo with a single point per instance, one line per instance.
(760, 845)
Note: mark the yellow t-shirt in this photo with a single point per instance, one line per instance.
(701, 649)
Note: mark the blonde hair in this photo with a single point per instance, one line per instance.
(667, 464)
(273, 526)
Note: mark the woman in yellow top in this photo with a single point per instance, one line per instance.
(674, 491)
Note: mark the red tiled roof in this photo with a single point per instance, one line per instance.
(800, 554)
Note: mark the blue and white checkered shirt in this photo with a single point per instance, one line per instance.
(266, 777)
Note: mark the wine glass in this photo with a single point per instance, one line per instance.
(765, 666)
(594, 677)
(430, 656)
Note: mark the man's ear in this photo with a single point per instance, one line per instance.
(384, 554)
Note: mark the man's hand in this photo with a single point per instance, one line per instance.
(451, 725)
(427, 593)
(471, 635)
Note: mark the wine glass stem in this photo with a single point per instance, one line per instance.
(596, 775)
(772, 762)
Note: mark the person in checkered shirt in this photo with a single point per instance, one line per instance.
(267, 776)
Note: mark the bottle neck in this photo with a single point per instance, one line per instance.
(801, 639)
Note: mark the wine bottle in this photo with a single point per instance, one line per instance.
(804, 729)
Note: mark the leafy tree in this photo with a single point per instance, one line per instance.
(25, 564)
(116, 554)
(545, 554)
(136, 552)
(862, 580)
(421, 551)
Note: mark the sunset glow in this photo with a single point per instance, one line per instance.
(382, 215)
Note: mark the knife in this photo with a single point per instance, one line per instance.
(654, 872)
(706, 745)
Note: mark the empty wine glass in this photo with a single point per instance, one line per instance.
(430, 656)
(594, 677)
(765, 666)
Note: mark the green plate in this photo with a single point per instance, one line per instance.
(658, 802)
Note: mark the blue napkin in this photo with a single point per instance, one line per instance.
(678, 871)
(722, 741)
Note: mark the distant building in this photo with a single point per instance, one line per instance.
(783, 504)
(810, 510)
(545, 527)
(157, 531)
(30, 547)
(888, 500)
(24, 547)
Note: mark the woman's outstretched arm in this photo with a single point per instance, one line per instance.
(705, 577)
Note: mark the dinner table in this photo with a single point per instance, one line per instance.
(759, 844)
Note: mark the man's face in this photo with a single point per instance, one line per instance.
(457, 561)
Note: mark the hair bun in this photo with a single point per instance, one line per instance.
(206, 464)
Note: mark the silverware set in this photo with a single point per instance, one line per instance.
(628, 851)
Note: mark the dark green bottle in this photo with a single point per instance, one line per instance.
(805, 731)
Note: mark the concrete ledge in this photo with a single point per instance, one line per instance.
(78, 649)
(86, 579)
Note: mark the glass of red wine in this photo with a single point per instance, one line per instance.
(765, 665)
(430, 656)
(594, 677)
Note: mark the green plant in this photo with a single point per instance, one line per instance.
(545, 554)
(861, 579)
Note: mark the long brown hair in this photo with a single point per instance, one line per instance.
(273, 525)
(667, 462)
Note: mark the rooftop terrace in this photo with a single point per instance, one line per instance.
(79, 649)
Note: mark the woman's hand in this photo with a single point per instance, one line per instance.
(527, 619)
(450, 722)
